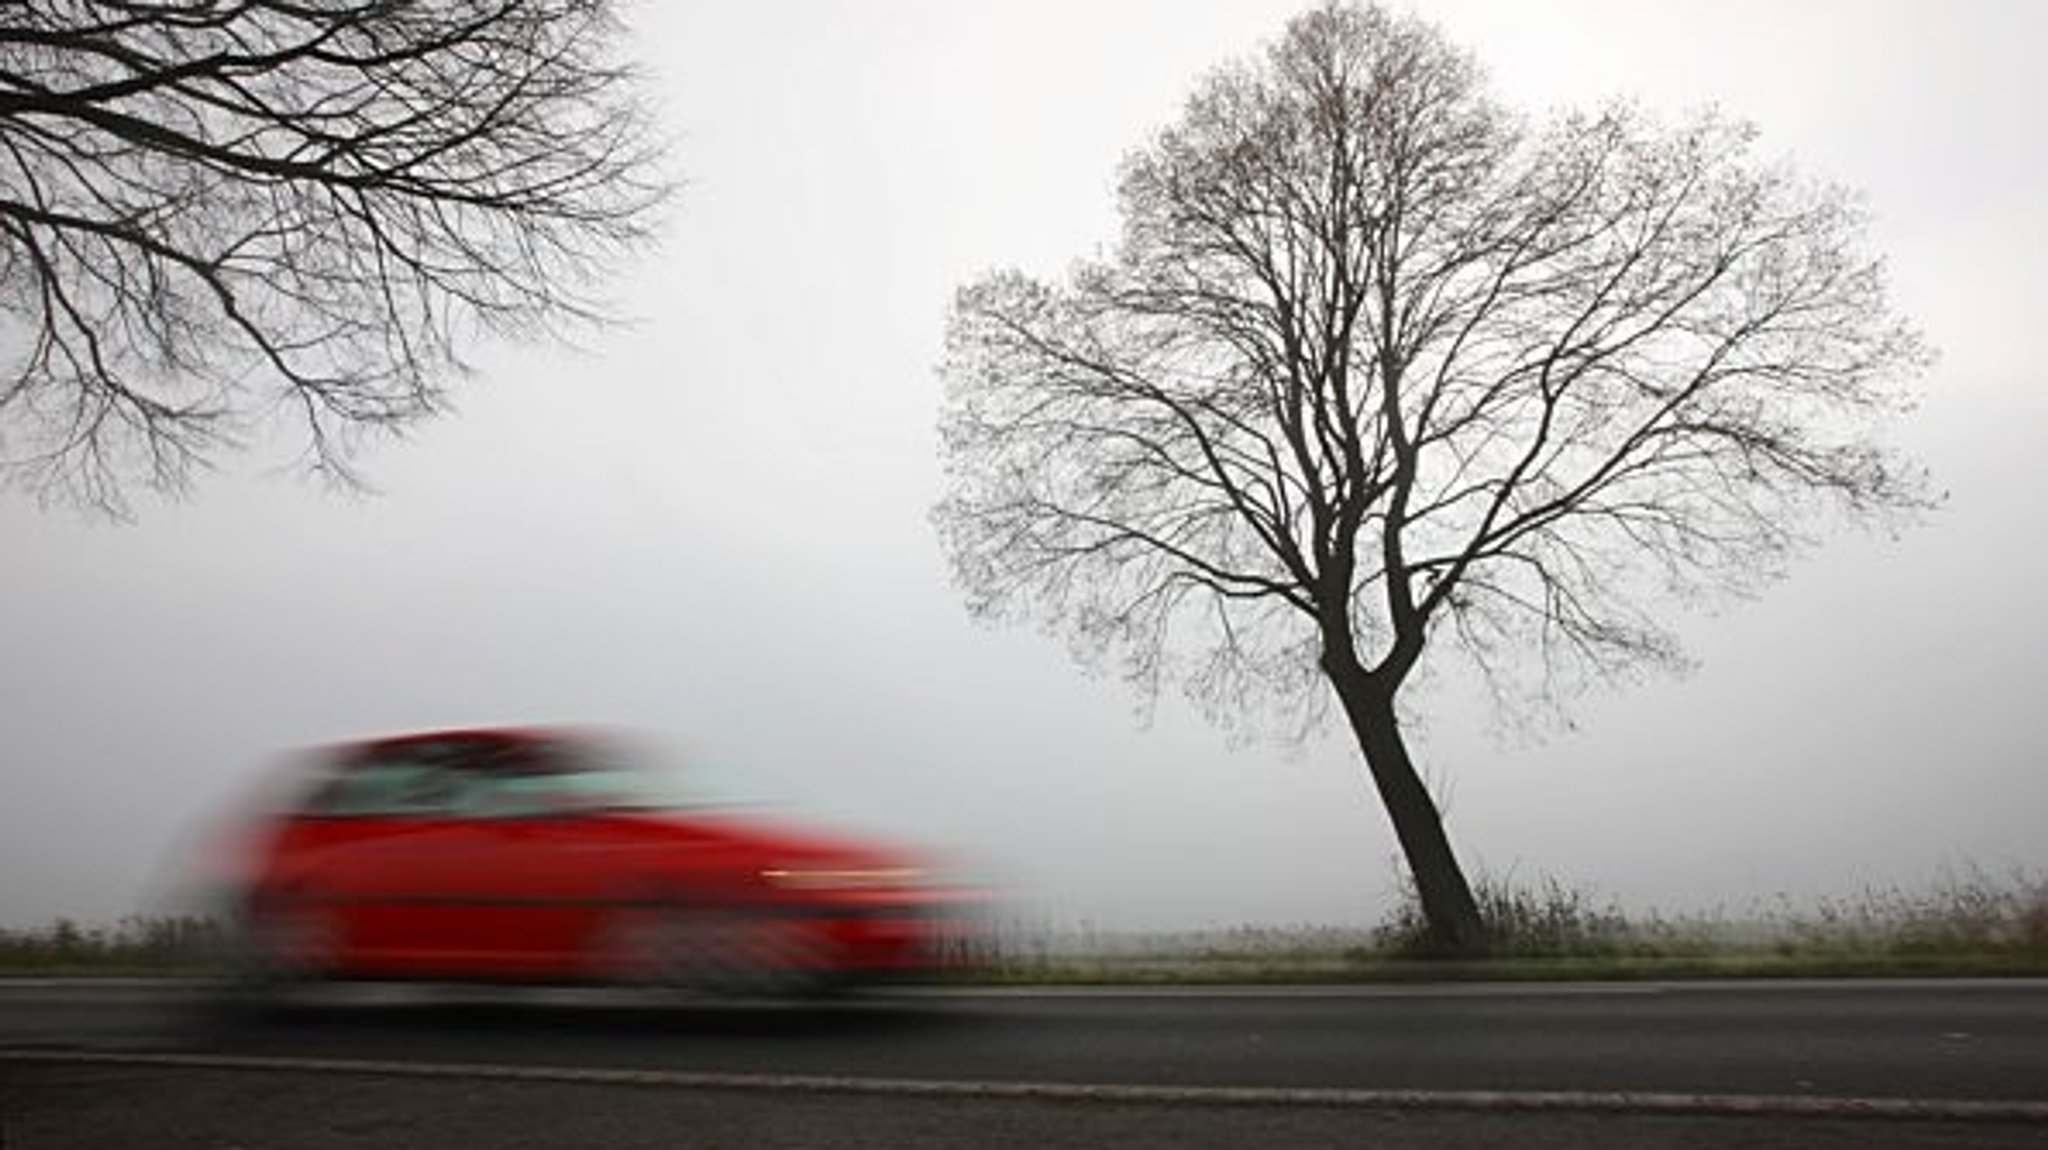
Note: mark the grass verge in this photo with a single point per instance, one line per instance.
(1968, 924)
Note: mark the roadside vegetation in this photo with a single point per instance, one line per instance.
(1969, 922)
(141, 945)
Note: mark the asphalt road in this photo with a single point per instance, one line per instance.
(1983, 1041)
(1925, 1066)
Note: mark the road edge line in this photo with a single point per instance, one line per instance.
(1520, 1101)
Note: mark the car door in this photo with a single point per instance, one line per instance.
(371, 855)
(531, 872)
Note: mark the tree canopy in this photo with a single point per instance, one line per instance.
(216, 211)
(1381, 371)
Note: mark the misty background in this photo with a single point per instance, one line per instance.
(711, 526)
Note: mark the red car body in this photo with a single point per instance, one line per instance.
(542, 855)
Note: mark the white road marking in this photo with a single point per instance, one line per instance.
(1720, 1105)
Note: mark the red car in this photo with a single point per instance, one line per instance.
(550, 855)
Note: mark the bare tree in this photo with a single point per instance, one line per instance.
(213, 209)
(1378, 371)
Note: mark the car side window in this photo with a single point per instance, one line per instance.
(388, 787)
(521, 794)
(464, 777)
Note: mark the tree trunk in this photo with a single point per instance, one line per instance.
(1455, 926)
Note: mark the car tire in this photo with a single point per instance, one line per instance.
(274, 947)
(725, 951)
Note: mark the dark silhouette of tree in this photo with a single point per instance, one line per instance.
(1380, 371)
(214, 209)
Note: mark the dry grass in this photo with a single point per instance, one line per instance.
(134, 945)
(1968, 921)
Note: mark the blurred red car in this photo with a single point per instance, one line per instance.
(551, 855)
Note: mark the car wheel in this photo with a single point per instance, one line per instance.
(735, 952)
(274, 946)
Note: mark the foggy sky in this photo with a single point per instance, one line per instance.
(711, 526)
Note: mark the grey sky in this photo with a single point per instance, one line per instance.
(711, 526)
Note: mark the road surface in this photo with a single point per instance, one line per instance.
(1942, 1063)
